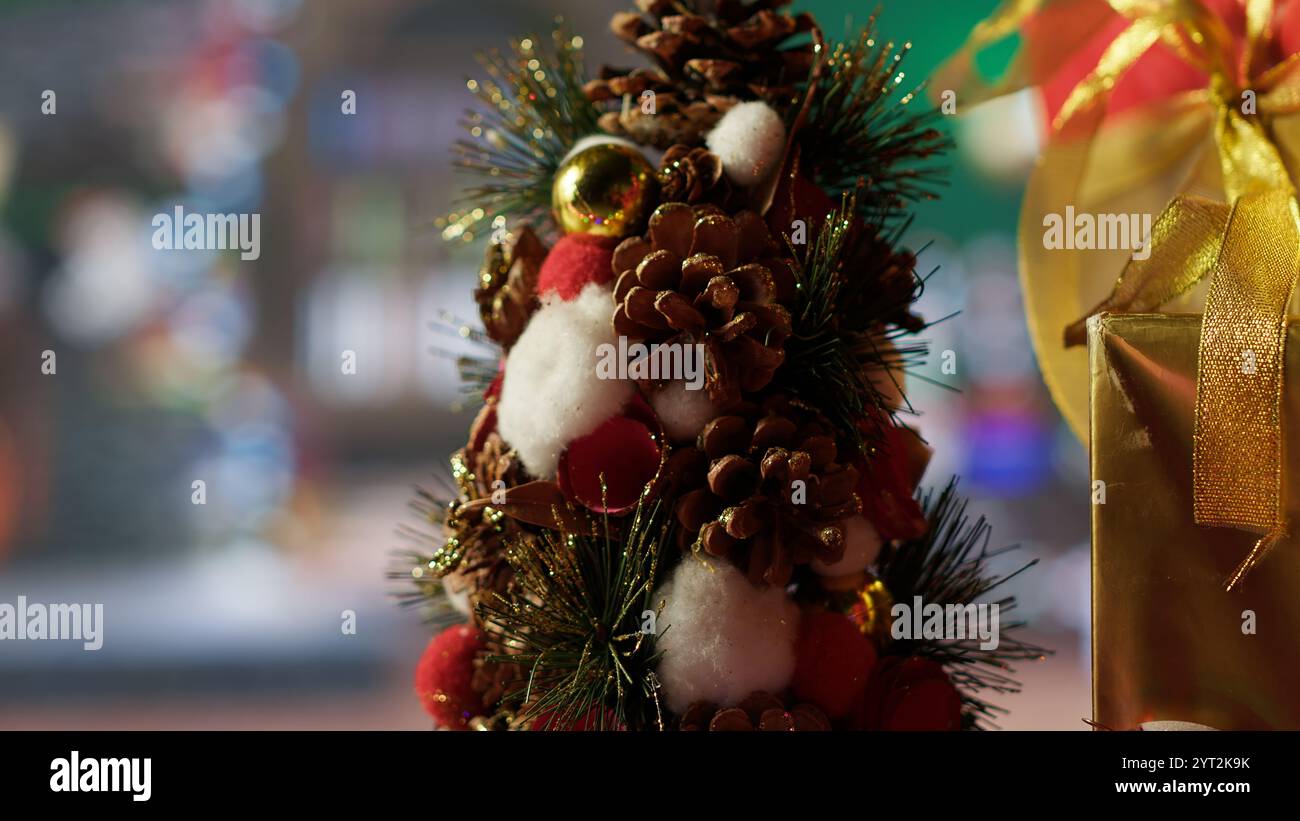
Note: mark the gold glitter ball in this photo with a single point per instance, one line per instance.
(870, 610)
(607, 190)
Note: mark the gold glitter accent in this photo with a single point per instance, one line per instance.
(870, 610)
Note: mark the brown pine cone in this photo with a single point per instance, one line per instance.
(708, 56)
(760, 711)
(699, 276)
(507, 285)
(472, 559)
(745, 504)
(891, 270)
(691, 175)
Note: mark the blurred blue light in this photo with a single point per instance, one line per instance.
(278, 66)
(1007, 454)
(240, 190)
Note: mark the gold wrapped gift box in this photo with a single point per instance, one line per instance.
(1169, 643)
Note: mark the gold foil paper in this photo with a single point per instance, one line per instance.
(1169, 643)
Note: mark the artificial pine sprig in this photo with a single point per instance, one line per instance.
(863, 131)
(574, 624)
(819, 360)
(478, 366)
(420, 566)
(950, 565)
(845, 321)
(468, 539)
(532, 112)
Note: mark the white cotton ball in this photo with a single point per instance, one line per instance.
(722, 638)
(749, 139)
(551, 393)
(861, 548)
(682, 411)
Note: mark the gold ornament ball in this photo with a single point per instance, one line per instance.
(870, 610)
(607, 190)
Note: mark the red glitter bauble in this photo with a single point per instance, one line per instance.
(607, 470)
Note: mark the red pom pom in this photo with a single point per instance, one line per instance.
(625, 450)
(909, 694)
(442, 678)
(833, 663)
(575, 261)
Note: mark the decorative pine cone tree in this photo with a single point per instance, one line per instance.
(708, 55)
(649, 535)
(747, 505)
(761, 711)
(699, 276)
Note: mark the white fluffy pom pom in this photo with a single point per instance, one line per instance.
(551, 393)
(722, 638)
(749, 139)
(683, 412)
(861, 548)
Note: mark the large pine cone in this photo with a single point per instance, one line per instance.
(708, 55)
(738, 497)
(760, 711)
(701, 277)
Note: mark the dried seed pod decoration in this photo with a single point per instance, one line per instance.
(506, 292)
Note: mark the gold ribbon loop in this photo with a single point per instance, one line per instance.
(1249, 244)
(1184, 244)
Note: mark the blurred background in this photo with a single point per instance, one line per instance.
(173, 368)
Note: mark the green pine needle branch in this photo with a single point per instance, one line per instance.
(950, 565)
(863, 130)
(532, 110)
(575, 626)
(844, 327)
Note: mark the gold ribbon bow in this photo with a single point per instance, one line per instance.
(1247, 246)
